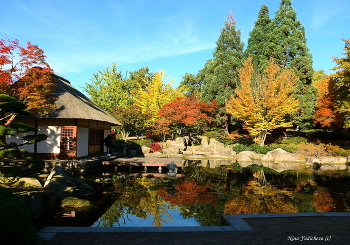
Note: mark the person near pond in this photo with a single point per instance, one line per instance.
(109, 143)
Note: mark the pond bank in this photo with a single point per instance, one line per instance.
(274, 229)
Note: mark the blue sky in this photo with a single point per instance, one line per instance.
(80, 37)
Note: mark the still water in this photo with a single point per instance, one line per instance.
(198, 195)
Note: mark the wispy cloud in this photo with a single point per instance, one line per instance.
(328, 12)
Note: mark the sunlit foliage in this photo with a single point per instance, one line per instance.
(263, 101)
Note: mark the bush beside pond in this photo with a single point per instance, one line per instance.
(15, 221)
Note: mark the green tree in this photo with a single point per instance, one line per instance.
(111, 89)
(191, 84)
(220, 78)
(342, 83)
(132, 119)
(259, 44)
(9, 109)
(140, 78)
(289, 49)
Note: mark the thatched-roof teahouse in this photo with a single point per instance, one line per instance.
(75, 129)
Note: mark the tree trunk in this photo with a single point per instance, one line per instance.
(260, 138)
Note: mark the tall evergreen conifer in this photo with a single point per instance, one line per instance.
(290, 50)
(220, 79)
(259, 44)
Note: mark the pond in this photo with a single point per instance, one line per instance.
(199, 196)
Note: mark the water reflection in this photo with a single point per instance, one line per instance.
(202, 194)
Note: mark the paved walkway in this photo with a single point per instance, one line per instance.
(304, 228)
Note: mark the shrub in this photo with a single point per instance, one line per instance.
(34, 162)
(144, 141)
(337, 151)
(118, 143)
(261, 149)
(155, 146)
(294, 140)
(239, 148)
(15, 221)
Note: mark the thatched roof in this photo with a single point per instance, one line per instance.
(71, 103)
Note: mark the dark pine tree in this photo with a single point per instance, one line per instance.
(259, 44)
(291, 51)
(220, 78)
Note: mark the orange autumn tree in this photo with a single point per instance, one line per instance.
(326, 115)
(188, 111)
(263, 101)
(342, 83)
(25, 75)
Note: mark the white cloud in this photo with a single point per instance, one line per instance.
(328, 12)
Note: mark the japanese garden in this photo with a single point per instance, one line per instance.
(256, 130)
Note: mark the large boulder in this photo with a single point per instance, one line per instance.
(30, 181)
(67, 186)
(204, 141)
(145, 149)
(179, 145)
(281, 156)
(215, 145)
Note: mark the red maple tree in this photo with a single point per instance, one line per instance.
(25, 75)
(188, 111)
(327, 115)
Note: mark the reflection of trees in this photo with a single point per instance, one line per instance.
(205, 194)
(189, 192)
(323, 202)
(138, 199)
(257, 199)
(196, 200)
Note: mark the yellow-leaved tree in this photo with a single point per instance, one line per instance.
(155, 94)
(263, 101)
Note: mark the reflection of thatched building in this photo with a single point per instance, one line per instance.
(76, 128)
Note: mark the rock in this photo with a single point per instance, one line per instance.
(133, 153)
(145, 149)
(169, 151)
(30, 181)
(281, 156)
(333, 160)
(204, 141)
(215, 145)
(67, 186)
(333, 167)
(228, 152)
(179, 144)
(245, 155)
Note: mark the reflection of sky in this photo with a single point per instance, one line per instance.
(134, 221)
